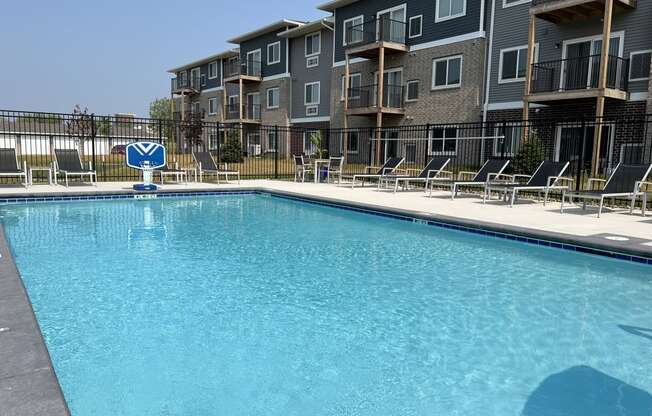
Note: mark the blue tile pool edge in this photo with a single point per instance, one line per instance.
(525, 236)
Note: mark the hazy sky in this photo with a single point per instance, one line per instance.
(113, 56)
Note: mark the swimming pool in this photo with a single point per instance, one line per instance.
(243, 305)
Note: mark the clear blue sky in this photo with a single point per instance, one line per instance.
(113, 56)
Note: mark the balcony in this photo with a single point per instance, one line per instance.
(366, 39)
(566, 11)
(186, 85)
(247, 70)
(363, 101)
(577, 78)
(251, 113)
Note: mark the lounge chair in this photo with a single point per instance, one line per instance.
(10, 168)
(301, 168)
(69, 163)
(389, 168)
(625, 182)
(432, 171)
(206, 165)
(335, 168)
(490, 171)
(547, 177)
(166, 170)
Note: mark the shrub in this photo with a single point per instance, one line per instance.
(529, 156)
(231, 151)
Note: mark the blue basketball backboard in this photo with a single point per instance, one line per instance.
(141, 152)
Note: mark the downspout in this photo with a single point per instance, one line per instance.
(488, 63)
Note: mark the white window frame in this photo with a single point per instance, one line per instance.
(410, 36)
(278, 93)
(631, 54)
(305, 95)
(305, 44)
(342, 86)
(446, 86)
(357, 150)
(516, 3)
(353, 19)
(450, 17)
(212, 102)
(310, 108)
(312, 61)
(214, 63)
(271, 45)
(564, 53)
(502, 80)
(513, 145)
(443, 152)
(407, 90)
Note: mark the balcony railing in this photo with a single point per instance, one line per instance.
(382, 29)
(540, 2)
(578, 74)
(249, 112)
(246, 67)
(186, 83)
(188, 115)
(367, 96)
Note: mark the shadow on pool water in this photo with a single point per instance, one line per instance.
(636, 330)
(585, 391)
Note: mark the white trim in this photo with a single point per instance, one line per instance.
(312, 61)
(407, 90)
(450, 17)
(641, 52)
(305, 44)
(314, 108)
(516, 3)
(512, 144)
(410, 36)
(351, 61)
(209, 69)
(487, 66)
(277, 76)
(353, 19)
(311, 119)
(638, 96)
(273, 107)
(620, 35)
(260, 54)
(305, 102)
(511, 105)
(278, 61)
(447, 59)
(212, 90)
(214, 100)
(515, 48)
(612, 137)
(447, 41)
(351, 75)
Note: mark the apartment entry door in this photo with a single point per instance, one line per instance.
(253, 106)
(392, 88)
(391, 25)
(389, 143)
(575, 145)
(582, 64)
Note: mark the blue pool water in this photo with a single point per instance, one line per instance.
(253, 305)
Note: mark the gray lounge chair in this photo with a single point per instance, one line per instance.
(10, 168)
(490, 171)
(389, 168)
(625, 182)
(69, 163)
(547, 177)
(432, 171)
(206, 165)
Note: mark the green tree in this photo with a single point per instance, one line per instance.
(231, 151)
(161, 109)
(103, 126)
(530, 155)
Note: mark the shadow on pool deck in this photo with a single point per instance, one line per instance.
(585, 391)
(635, 330)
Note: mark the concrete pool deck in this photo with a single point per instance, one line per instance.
(28, 384)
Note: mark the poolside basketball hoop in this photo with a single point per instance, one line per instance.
(146, 157)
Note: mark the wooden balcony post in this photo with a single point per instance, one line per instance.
(602, 85)
(379, 101)
(531, 43)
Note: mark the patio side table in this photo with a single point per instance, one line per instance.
(33, 169)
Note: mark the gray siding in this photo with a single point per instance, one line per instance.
(550, 37)
(209, 83)
(261, 43)
(302, 75)
(431, 31)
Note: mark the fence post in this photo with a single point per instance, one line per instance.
(217, 137)
(160, 132)
(276, 152)
(93, 132)
(580, 165)
(427, 140)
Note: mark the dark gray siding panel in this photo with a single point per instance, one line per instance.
(261, 43)
(302, 75)
(209, 83)
(431, 31)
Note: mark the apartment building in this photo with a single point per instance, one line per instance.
(586, 59)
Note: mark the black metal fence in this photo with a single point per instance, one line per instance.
(261, 151)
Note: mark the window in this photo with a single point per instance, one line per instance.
(311, 96)
(212, 70)
(203, 80)
(353, 143)
(309, 147)
(513, 64)
(447, 72)
(510, 144)
(313, 44)
(443, 140)
(273, 53)
(195, 108)
(355, 82)
(312, 110)
(272, 140)
(639, 65)
(450, 9)
(312, 61)
(213, 142)
(510, 3)
(412, 89)
(273, 96)
(353, 30)
(416, 23)
(212, 106)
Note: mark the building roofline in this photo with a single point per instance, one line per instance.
(225, 54)
(324, 23)
(284, 23)
(330, 6)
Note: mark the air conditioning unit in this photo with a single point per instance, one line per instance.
(254, 150)
(312, 111)
(312, 61)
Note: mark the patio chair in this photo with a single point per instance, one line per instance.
(69, 163)
(625, 182)
(175, 172)
(431, 171)
(335, 168)
(390, 167)
(547, 177)
(301, 168)
(10, 168)
(206, 165)
(490, 171)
